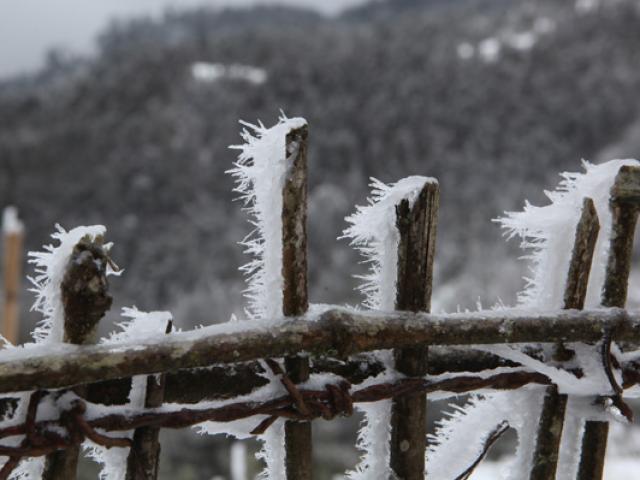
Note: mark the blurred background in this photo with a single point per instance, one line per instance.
(120, 113)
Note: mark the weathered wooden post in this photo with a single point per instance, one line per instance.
(545, 458)
(416, 250)
(144, 455)
(624, 204)
(13, 232)
(295, 301)
(85, 299)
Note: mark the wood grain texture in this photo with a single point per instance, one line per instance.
(417, 226)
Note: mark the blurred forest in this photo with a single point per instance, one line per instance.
(492, 97)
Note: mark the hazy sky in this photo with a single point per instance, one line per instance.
(28, 28)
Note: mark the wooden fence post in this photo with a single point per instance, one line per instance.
(13, 240)
(295, 300)
(144, 455)
(86, 299)
(545, 458)
(416, 249)
(624, 203)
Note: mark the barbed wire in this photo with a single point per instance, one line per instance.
(72, 427)
(336, 399)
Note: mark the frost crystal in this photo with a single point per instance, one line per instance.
(50, 266)
(373, 232)
(461, 435)
(238, 461)
(548, 233)
(260, 173)
(29, 469)
(138, 326)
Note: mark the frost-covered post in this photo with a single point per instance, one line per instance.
(624, 204)
(85, 299)
(271, 173)
(395, 232)
(294, 293)
(547, 449)
(416, 249)
(13, 232)
(144, 455)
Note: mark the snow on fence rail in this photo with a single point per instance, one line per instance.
(548, 368)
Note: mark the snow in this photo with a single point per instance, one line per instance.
(207, 72)
(373, 232)
(586, 6)
(489, 49)
(260, 173)
(240, 429)
(571, 442)
(465, 50)
(238, 461)
(144, 340)
(461, 435)
(547, 234)
(138, 324)
(594, 382)
(544, 25)
(29, 469)
(375, 432)
(50, 266)
(614, 469)
(11, 224)
(273, 452)
(522, 40)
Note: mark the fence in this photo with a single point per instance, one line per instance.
(330, 341)
(12, 239)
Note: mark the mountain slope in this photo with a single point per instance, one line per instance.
(492, 101)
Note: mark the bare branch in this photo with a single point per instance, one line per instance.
(335, 331)
(491, 439)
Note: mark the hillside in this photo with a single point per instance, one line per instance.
(491, 97)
